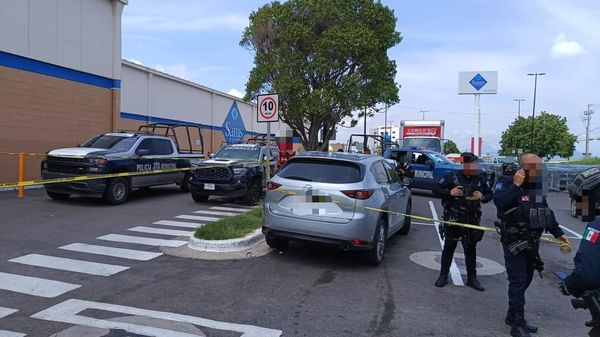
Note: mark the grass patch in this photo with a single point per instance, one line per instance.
(589, 161)
(233, 227)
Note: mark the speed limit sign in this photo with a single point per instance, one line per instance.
(268, 108)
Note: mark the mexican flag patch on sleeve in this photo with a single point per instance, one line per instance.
(591, 235)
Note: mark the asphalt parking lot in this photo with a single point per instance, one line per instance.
(303, 291)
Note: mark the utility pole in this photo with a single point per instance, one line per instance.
(423, 112)
(519, 100)
(587, 119)
(534, 96)
(365, 133)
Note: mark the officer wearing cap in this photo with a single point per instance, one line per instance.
(525, 215)
(462, 194)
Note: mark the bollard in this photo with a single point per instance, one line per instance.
(21, 174)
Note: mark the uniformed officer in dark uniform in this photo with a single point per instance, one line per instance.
(584, 281)
(462, 194)
(402, 167)
(525, 215)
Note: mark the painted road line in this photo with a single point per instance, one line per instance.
(572, 232)
(142, 240)
(6, 311)
(198, 218)
(454, 272)
(61, 263)
(231, 209)
(69, 312)
(5, 333)
(423, 223)
(185, 224)
(152, 230)
(34, 286)
(220, 213)
(123, 253)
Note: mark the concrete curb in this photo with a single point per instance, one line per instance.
(231, 245)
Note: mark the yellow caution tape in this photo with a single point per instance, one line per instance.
(565, 248)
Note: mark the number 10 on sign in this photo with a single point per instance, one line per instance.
(268, 108)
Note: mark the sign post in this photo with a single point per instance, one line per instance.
(477, 83)
(267, 111)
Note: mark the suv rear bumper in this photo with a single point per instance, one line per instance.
(94, 187)
(327, 241)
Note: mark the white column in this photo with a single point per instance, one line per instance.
(476, 148)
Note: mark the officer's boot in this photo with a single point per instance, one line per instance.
(518, 326)
(442, 280)
(510, 318)
(471, 264)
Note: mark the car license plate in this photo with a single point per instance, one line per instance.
(210, 187)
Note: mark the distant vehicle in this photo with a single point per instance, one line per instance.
(153, 147)
(587, 179)
(234, 171)
(344, 185)
(425, 135)
(429, 166)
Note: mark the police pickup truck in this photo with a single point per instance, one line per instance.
(428, 166)
(234, 171)
(118, 152)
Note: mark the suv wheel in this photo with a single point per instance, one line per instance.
(276, 243)
(200, 197)
(254, 192)
(117, 191)
(58, 196)
(185, 183)
(406, 227)
(375, 255)
(573, 208)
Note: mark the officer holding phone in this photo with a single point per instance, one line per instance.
(462, 194)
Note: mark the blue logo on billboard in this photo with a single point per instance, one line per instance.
(233, 126)
(478, 82)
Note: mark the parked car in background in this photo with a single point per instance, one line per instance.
(153, 147)
(237, 171)
(323, 197)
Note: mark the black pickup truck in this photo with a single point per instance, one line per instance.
(152, 147)
(234, 171)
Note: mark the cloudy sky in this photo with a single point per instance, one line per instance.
(198, 41)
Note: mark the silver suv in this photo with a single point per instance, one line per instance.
(325, 197)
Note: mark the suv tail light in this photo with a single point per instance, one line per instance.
(359, 194)
(272, 186)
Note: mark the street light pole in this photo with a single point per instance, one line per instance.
(519, 100)
(365, 132)
(534, 96)
(423, 112)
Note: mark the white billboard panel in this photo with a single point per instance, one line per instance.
(477, 82)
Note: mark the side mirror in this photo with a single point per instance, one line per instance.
(406, 181)
(211, 155)
(142, 152)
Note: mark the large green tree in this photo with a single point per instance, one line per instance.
(450, 147)
(325, 58)
(552, 137)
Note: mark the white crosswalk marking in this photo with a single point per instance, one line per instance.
(141, 240)
(161, 231)
(61, 263)
(231, 209)
(34, 286)
(216, 213)
(6, 311)
(72, 311)
(4, 333)
(197, 217)
(178, 223)
(130, 254)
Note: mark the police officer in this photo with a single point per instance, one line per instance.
(402, 167)
(525, 215)
(462, 194)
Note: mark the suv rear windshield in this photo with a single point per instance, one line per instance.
(117, 143)
(322, 171)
